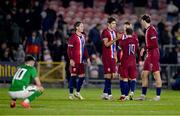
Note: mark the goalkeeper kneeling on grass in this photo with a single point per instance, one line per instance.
(20, 87)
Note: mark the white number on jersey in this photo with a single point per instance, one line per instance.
(20, 73)
(131, 49)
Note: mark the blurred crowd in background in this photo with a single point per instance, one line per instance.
(42, 27)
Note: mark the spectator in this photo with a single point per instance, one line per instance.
(94, 36)
(57, 48)
(62, 27)
(154, 4)
(175, 28)
(166, 36)
(65, 3)
(114, 7)
(8, 55)
(2, 50)
(138, 30)
(176, 38)
(172, 56)
(172, 11)
(20, 54)
(176, 83)
(88, 3)
(139, 6)
(48, 19)
(15, 39)
(33, 45)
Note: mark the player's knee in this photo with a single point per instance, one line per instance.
(144, 75)
(159, 82)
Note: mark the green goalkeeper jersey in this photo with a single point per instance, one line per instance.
(23, 77)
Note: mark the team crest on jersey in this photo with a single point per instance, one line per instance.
(74, 69)
(109, 69)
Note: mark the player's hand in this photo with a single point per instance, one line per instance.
(140, 63)
(119, 35)
(142, 51)
(72, 63)
(88, 62)
(40, 88)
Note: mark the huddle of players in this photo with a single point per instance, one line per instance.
(122, 47)
(127, 44)
(116, 46)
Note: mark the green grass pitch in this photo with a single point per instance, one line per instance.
(55, 102)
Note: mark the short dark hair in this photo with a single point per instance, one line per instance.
(110, 20)
(127, 23)
(77, 25)
(29, 58)
(146, 18)
(129, 31)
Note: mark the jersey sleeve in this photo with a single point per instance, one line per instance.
(104, 35)
(152, 34)
(70, 47)
(152, 39)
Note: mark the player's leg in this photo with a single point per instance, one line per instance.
(72, 81)
(157, 78)
(32, 92)
(14, 96)
(107, 78)
(125, 88)
(132, 80)
(121, 85)
(132, 88)
(80, 81)
(120, 80)
(112, 71)
(144, 77)
(124, 83)
(156, 74)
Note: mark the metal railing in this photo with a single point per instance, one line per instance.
(95, 76)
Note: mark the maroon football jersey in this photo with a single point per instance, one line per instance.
(129, 46)
(109, 52)
(76, 48)
(151, 38)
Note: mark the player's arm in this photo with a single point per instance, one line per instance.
(38, 84)
(36, 79)
(109, 43)
(119, 50)
(138, 50)
(70, 51)
(139, 55)
(87, 56)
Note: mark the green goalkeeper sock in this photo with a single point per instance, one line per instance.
(34, 95)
